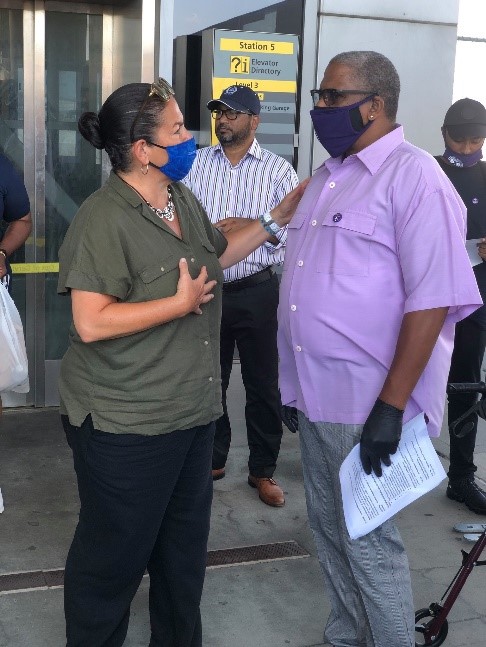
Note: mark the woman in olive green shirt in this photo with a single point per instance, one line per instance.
(140, 383)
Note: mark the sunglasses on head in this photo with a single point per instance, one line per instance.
(159, 88)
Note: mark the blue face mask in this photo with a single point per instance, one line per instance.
(462, 161)
(338, 128)
(181, 159)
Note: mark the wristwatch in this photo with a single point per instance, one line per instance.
(269, 224)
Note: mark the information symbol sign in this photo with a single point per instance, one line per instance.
(239, 64)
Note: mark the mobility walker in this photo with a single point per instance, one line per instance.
(431, 624)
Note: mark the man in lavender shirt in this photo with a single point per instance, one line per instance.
(375, 277)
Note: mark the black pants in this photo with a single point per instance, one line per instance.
(249, 320)
(145, 504)
(467, 358)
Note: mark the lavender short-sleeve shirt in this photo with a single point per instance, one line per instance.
(375, 236)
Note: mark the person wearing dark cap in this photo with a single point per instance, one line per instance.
(464, 131)
(235, 180)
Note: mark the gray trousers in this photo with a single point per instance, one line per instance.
(368, 579)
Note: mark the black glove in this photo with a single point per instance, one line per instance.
(289, 418)
(380, 436)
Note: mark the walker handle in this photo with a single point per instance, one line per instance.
(466, 387)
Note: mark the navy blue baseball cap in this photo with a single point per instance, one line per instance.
(238, 97)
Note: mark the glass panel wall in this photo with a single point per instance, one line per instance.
(68, 57)
(73, 57)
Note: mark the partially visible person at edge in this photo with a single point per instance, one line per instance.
(239, 178)
(15, 212)
(379, 236)
(464, 130)
(140, 383)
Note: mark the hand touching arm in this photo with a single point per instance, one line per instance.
(245, 239)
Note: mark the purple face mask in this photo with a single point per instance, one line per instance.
(338, 128)
(462, 161)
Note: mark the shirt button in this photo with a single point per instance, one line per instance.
(332, 185)
(298, 348)
(206, 342)
(337, 217)
(300, 263)
(314, 223)
(193, 260)
(293, 308)
(162, 269)
(210, 379)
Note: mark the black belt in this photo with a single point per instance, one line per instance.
(249, 281)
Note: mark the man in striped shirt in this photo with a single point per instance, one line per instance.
(236, 180)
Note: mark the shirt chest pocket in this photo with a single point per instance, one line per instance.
(160, 280)
(345, 243)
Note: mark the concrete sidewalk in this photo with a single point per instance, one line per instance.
(277, 603)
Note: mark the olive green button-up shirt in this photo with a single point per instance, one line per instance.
(162, 379)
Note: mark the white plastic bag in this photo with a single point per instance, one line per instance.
(14, 371)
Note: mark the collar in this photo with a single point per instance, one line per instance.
(254, 150)
(127, 193)
(374, 155)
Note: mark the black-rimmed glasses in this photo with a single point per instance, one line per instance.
(159, 88)
(229, 113)
(330, 96)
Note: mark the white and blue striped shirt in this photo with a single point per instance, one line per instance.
(254, 186)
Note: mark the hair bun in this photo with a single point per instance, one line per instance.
(90, 128)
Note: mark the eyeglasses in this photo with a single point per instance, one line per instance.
(330, 96)
(159, 88)
(229, 113)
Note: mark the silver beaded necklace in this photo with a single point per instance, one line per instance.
(168, 212)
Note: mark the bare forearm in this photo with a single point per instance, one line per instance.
(16, 234)
(101, 316)
(242, 242)
(248, 238)
(123, 319)
(416, 341)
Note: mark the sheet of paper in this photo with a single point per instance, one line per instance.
(415, 470)
(472, 251)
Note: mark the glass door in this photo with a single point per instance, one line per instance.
(89, 50)
(57, 60)
(73, 168)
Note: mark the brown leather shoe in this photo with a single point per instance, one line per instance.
(269, 492)
(218, 474)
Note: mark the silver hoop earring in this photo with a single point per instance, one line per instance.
(146, 170)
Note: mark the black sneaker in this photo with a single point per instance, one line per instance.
(467, 491)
